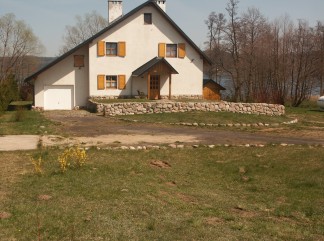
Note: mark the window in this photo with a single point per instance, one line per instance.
(171, 50)
(111, 49)
(79, 61)
(147, 18)
(111, 82)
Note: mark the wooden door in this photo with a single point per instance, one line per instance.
(155, 87)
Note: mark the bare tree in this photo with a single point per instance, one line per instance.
(17, 41)
(253, 28)
(267, 62)
(216, 24)
(320, 56)
(232, 65)
(303, 67)
(85, 27)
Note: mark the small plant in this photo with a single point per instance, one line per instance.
(19, 115)
(38, 165)
(74, 157)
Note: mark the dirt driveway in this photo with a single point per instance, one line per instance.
(84, 127)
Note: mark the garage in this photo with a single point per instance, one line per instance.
(58, 97)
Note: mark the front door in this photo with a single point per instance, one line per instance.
(155, 87)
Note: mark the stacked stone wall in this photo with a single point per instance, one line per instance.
(133, 108)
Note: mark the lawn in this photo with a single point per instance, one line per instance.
(24, 122)
(208, 118)
(270, 193)
(309, 115)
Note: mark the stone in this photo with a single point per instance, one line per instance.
(5, 215)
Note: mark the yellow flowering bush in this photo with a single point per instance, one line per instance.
(72, 157)
(38, 165)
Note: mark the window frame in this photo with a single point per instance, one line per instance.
(148, 21)
(109, 82)
(169, 53)
(110, 49)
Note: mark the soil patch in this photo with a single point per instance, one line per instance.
(160, 164)
(95, 128)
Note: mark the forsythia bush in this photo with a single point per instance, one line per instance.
(72, 157)
(38, 165)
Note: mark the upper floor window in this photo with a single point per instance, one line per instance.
(111, 49)
(147, 18)
(111, 82)
(171, 50)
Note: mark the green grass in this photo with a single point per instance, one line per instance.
(24, 122)
(114, 101)
(271, 193)
(207, 118)
(308, 114)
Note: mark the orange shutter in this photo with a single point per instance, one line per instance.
(101, 48)
(121, 82)
(161, 50)
(101, 82)
(182, 50)
(121, 49)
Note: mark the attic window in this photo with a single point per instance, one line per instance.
(171, 50)
(79, 61)
(147, 18)
(111, 49)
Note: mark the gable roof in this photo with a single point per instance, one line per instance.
(150, 64)
(113, 24)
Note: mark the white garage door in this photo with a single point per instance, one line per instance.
(58, 97)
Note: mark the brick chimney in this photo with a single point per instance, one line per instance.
(115, 10)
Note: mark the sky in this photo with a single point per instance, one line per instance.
(48, 18)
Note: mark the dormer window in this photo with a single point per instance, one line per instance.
(147, 18)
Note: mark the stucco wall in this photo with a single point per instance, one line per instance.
(64, 73)
(141, 46)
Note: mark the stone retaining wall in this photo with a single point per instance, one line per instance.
(132, 108)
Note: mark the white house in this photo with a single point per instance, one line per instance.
(143, 51)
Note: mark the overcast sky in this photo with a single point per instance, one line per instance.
(48, 18)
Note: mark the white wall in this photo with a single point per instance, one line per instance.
(64, 73)
(141, 46)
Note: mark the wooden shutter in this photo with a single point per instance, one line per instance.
(181, 50)
(78, 60)
(101, 82)
(121, 49)
(101, 48)
(121, 82)
(161, 50)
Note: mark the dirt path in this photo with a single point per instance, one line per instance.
(17, 142)
(85, 127)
